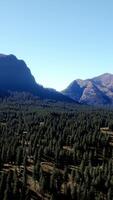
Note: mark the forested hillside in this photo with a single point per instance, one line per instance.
(51, 151)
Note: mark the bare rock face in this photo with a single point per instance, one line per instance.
(15, 76)
(95, 91)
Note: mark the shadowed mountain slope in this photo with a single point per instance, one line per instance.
(16, 76)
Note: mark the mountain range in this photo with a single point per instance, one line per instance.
(95, 91)
(15, 76)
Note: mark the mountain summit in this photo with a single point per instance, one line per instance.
(16, 76)
(95, 91)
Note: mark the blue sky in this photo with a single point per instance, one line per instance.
(60, 40)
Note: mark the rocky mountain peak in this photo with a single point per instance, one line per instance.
(98, 90)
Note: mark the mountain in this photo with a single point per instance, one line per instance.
(16, 76)
(95, 91)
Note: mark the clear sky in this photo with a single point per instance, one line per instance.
(60, 40)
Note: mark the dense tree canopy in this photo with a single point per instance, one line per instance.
(52, 150)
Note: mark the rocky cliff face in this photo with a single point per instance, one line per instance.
(95, 91)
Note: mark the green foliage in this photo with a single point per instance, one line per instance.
(58, 147)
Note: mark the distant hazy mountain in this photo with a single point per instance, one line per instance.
(95, 91)
(16, 76)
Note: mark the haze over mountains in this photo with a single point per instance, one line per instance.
(95, 91)
(16, 76)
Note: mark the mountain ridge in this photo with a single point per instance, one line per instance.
(92, 91)
(15, 76)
